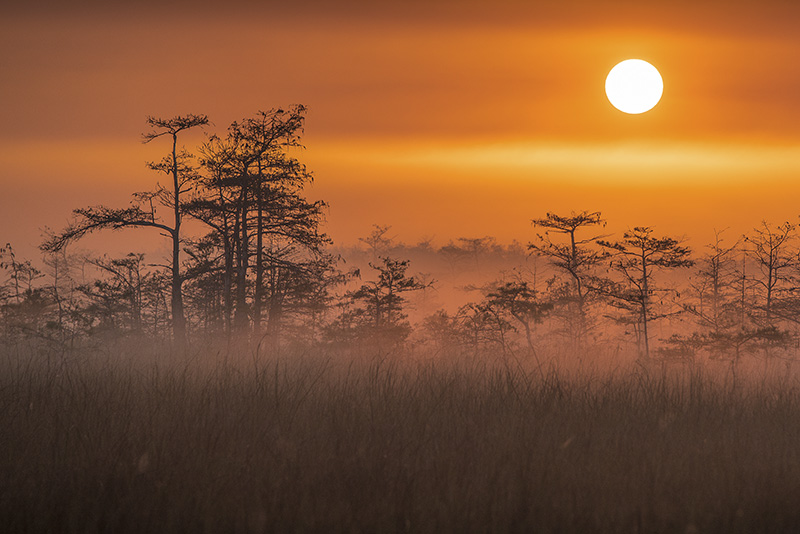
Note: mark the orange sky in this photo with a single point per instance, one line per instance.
(442, 119)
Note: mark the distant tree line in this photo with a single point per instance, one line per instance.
(264, 272)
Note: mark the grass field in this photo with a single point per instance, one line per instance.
(329, 444)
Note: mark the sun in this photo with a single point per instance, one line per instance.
(634, 86)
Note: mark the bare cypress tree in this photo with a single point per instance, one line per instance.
(214, 206)
(636, 257)
(377, 241)
(771, 247)
(252, 200)
(375, 311)
(576, 258)
(714, 303)
(142, 213)
(521, 303)
(716, 286)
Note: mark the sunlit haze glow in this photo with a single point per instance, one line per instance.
(478, 117)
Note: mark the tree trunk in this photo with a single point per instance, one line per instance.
(240, 318)
(227, 272)
(645, 308)
(258, 294)
(274, 312)
(178, 317)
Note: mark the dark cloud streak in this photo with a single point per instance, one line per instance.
(743, 16)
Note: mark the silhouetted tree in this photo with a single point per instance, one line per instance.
(477, 246)
(718, 308)
(775, 259)
(21, 273)
(521, 303)
(142, 213)
(712, 301)
(636, 258)
(122, 291)
(376, 309)
(25, 307)
(62, 287)
(215, 207)
(715, 288)
(576, 259)
(483, 328)
(251, 198)
(441, 331)
(377, 241)
(454, 255)
(204, 283)
(298, 295)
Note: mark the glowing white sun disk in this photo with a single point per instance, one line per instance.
(634, 86)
